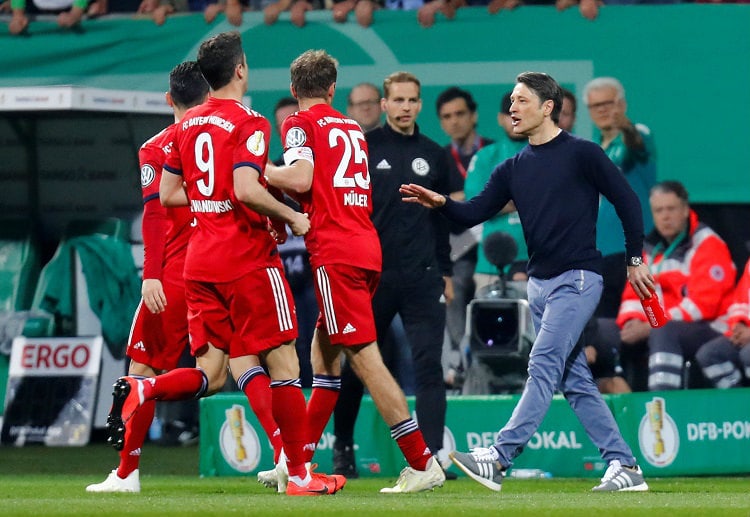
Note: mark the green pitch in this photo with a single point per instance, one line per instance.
(43, 481)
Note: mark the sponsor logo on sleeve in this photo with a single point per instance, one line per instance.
(148, 175)
(295, 137)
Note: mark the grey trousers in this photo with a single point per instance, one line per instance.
(560, 308)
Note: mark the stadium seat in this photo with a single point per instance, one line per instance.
(19, 264)
(4, 366)
(96, 249)
(19, 270)
(92, 287)
(110, 226)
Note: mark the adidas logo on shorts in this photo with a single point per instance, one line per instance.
(348, 329)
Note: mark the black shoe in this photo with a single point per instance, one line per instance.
(343, 461)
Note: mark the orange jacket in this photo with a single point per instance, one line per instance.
(739, 311)
(694, 281)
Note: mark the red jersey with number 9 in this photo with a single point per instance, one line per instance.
(339, 203)
(210, 142)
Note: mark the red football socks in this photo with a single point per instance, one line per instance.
(289, 412)
(320, 407)
(135, 434)
(257, 389)
(412, 444)
(179, 384)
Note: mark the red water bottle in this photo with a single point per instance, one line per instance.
(654, 311)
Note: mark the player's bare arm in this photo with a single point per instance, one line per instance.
(172, 190)
(418, 194)
(250, 192)
(293, 179)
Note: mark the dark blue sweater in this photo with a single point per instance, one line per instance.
(555, 187)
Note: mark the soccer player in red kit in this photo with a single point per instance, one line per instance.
(326, 171)
(240, 309)
(160, 331)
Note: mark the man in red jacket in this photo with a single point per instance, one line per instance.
(694, 276)
(725, 360)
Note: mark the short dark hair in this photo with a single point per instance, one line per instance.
(284, 102)
(187, 87)
(567, 94)
(218, 56)
(672, 186)
(454, 93)
(546, 89)
(313, 72)
(505, 103)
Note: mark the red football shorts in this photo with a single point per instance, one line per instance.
(344, 296)
(158, 340)
(247, 316)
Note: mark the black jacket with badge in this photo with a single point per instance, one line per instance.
(412, 237)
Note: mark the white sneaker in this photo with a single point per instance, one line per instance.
(268, 478)
(619, 478)
(412, 480)
(114, 483)
(282, 474)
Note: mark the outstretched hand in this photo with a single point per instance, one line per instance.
(413, 193)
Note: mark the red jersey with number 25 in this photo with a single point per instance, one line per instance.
(211, 141)
(339, 203)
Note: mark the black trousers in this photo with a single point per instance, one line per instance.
(416, 298)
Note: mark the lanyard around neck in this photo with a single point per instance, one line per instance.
(667, 252)
(457, 155)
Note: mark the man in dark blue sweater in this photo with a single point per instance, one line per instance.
(555, 184)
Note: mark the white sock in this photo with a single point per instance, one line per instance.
(301, 481)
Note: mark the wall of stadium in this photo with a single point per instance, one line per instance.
(684, 67)
(674, 433)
